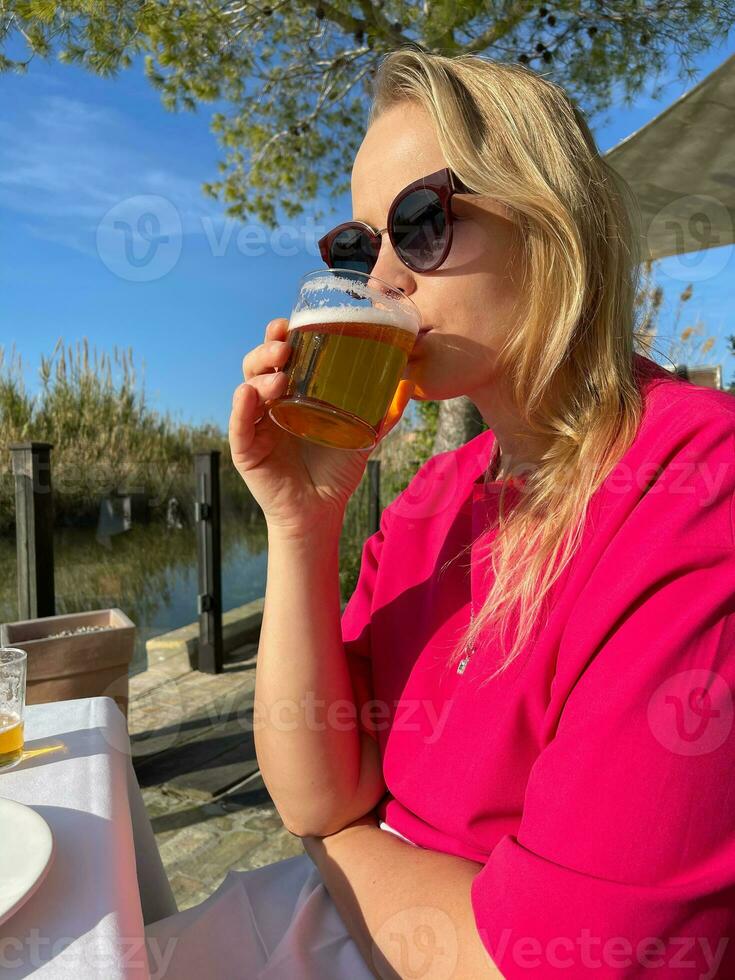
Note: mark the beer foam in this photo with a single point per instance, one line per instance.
(354, 314)
(383, 312)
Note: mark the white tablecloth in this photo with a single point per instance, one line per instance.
(277, 922)
(106, 878)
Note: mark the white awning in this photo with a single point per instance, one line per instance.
(681, 166)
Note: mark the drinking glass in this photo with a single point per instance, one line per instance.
(350, 335)
(12, 702)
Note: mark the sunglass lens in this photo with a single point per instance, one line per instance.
(352, 249)
(419, 228)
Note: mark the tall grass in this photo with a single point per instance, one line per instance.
(107, 439)
(93, 407)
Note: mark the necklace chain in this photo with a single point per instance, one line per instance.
(462, 665)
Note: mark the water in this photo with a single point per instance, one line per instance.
(149, 572)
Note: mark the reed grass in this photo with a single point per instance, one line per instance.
(107, 439)
(92, 406)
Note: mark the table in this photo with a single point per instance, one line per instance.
(106, 879)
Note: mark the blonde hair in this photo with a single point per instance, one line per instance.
(515, 136)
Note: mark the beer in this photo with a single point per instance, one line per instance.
(343, 370)
(12, 701)
(11, 739)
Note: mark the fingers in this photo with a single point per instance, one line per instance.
(271, 355)
(277, 329)
(268, 386)
(264, 382)
(249, 405)
(245, 404)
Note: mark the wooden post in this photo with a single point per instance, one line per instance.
(34, 528)
(209, 560)
(373, 472)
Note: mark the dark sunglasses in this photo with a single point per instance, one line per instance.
(419, 227)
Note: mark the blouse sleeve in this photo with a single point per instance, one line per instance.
(623, 864)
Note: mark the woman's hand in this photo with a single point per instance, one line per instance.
(297, 483)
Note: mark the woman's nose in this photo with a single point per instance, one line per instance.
(389, 269)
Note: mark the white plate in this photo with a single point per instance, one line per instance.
(26, 847)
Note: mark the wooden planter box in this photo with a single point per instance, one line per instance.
(83, 665)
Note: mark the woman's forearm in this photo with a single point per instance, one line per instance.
(307, 739)
(407, 908)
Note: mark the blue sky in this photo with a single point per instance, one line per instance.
(83, 158)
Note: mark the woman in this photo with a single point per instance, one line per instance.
(531, 684)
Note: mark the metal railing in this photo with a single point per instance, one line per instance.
(34, 509)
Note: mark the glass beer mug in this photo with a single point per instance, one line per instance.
(350, 336)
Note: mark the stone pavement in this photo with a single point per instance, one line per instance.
(194, 756)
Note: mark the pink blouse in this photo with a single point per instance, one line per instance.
(594, 780)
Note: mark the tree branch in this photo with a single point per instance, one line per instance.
(346, 21)
(381, 27)
(499, 29)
